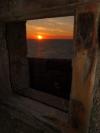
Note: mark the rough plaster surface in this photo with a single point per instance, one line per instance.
(95, 116)
(9, 123)
(16, 42)
(5, 87)
(18, 9)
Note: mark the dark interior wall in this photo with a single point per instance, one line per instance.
(16, 43)
(30, 9)
(13, 117)
(18, 115)
(16, 112)
(5, 88)
(14, 66)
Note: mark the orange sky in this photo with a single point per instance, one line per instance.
(50, 28)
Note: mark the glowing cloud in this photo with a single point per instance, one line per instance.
(51, 28)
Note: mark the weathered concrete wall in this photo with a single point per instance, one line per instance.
(16, 121)
(25, 9)
(11, 119)
(5, 88)
(24, 120)
(30, 9)
(84, 66)
(19, 114)
(95, 115)
(17, 50)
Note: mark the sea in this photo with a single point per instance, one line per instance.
(50, 48)
(50, 66)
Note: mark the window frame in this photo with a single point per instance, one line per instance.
(42, 97)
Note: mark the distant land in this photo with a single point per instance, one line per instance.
(50, 48)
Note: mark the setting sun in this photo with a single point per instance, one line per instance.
(39, 37)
